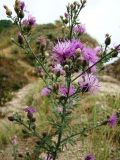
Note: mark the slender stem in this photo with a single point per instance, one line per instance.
(83, 131)
(73, 19)
(95, 63)
(68, 80)
(30, 49)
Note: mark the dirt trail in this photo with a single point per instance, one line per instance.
(108, 85)
(17, 102)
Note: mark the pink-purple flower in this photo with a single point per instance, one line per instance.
(93, 68)
(30, 21)
(90, 55)
(30, 110)
(20, 38)
(89, 157)
(89, 83)
(59, 109)
(58, 69)
(112, 121)
(45, 91)
(21, 5)
(63, 91)
(66, 15)
(14, 140)
(48, 157)
(66, 49)
(117, 48)
(80, 28)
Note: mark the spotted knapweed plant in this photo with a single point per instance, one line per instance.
(68, 70)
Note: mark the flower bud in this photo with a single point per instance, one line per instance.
(12, 40)
(20, 39)
(14, 140)
(66, 67)
(8, 11)
(65, 21)
(75, 3)
(78, 52)
(11, 118)
(84, 63)
(68, 8)
(21, 14)
(20, 155)
(69, 61)
(30, 115)
(66, 15)
(61, 17)
(115, 54)
(33, 119)
(107, 40)
(71, 6)
(41, 41)
(55, 86)
(44, 134)
(16, 6)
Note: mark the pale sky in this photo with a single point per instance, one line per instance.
(99, 16)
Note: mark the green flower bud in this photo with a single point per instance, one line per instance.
(8, 11)
(21, 14)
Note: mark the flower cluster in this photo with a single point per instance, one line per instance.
(30, 21)
(80, 29)
(66, 49)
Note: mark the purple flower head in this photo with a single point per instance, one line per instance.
(79, 28)
(22, 5)
(90, 157)
(30, 111)
(48, 157)
(66, 49)
(98, 49)
(77, 44)
(66, 15)
(30, 21)
(64, 90)
(117, 48)
(45, 91)
(93, 69)
(112, 121)
(59, 109)
(20, 38)
(89, 83)
(42, 41)
(14, 140)
(58, 69)
(90, 55)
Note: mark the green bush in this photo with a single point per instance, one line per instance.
(5, 24)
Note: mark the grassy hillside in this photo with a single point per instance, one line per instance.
(14, 64)
(113, 70)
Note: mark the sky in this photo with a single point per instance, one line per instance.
(99, 16)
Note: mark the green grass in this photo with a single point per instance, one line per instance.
(7, 131)
(104, 142)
